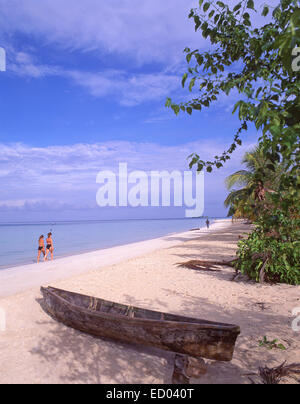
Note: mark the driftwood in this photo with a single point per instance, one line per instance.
(275, 375)
(209, 266)
(101, 318)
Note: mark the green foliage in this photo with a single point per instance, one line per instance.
(272, 251)
(253, 62)
(259, 169)
(256, 64)
(271, 344)
(274, 247)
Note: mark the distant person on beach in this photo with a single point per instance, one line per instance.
(49, 247)
(207, 223)
(41, 248)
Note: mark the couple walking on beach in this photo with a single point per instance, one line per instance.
(49, 247)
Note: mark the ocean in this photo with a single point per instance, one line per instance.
(19, 242)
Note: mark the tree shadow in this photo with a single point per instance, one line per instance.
(81, 358)
(255, 320)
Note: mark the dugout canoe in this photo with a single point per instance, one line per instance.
(101, 318)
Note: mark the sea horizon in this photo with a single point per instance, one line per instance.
(37, 222)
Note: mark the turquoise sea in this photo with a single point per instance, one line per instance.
(19, 242)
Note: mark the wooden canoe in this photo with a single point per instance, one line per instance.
(101, 318)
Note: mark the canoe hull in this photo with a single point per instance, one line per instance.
(207, 340)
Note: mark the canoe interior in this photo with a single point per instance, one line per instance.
(103, 306)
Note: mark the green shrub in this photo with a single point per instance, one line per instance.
(279, 254)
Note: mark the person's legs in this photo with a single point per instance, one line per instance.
(47, 252)
(52, 253)
(38, 257)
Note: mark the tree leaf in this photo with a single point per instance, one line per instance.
(250, 4)
(265, 11)
(237, 7)
(184, 78)
(206, 7)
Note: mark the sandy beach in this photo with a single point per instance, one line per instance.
(36, 349)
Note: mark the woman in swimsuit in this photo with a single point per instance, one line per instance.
(49, 246)
(41, 248)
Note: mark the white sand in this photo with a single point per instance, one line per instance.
(36, 349)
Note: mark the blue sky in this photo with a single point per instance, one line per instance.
(85, 88)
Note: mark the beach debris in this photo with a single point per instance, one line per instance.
(199, 266)
(186, 367)
(263, 306)
(209, 266)
(276, 374)
(206, 265)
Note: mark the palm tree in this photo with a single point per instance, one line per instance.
(253, 183)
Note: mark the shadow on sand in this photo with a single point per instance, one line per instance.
(81, 358)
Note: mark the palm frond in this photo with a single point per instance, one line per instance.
(260, 173)
(236, 196)
(239, 178)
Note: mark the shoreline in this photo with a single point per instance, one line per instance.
(15, 279)
(85, 245)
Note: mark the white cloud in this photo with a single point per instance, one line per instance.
(26, 64)
(128, 89)
(144, 31)
(64, 176)
(138, 31)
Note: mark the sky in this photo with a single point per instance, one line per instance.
(85, 89)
